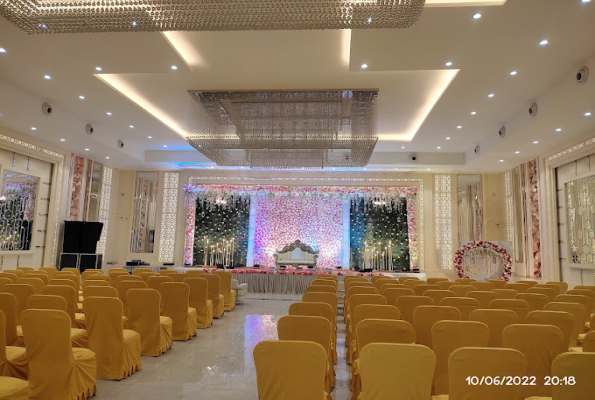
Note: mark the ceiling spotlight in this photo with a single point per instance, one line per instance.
(107, 158)
(473, 112)
(477, 16)
(62, 140)
(543, 42)
(459, 127)
(86, 149)
(164, 145)
(587, 114)
(131, 126)
(174, 67)
(535, 141)
(150, 137)
(558, 129)
(586, 1)
(402, 147)
(98, 69)
(82, 97)
(109, 113)
(448, 138)
(2, 50)
(370, 20)
(47, 77)
(513, 73)
(491, 95)
(33, 128)
(134, 23)
(517, 152)
(501, 160)
(43, 26)
(449, 64)
(428, 169)
(396, 169)
(364, 66)
(438, 147)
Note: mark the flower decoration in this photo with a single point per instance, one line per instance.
(487, 248)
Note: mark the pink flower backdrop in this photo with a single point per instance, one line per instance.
(316, 221)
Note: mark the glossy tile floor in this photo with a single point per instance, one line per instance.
(217, 364)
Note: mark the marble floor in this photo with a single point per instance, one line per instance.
(217, 364)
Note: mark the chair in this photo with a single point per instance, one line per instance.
(325, 282)
(311, 329)
(175, 297)
(563, 320)
(167, 272)
(556, 288)
(589, 342)
(519, 287)
(578, 299)
(13, 360)
(408, 304)
(391, 285)
(520, 307)
(115, 274)
(139, 271)
(578, 366)
(67, 293)
(438, 295)
(444, 285)
(434, 281)
(589, 287)
(353, 290)
(196, 273)
(498, 284)
(368, 311)
(123, 287)
(13, 389)
(215, 295)
(496, 320)
(178, 277)
(323, 310)
(56, 370)
(464, 281)
(12, 277)
(329, 298)
(540, 344)
(88, 283)
(461, 290)
(562, 285)
(531, 283)
(382, 280)
(98, 277)
(117, 349)
(413, 283)
(19, 274)
(548, 292)
(424, 317)
(199, 300)
(321, 289)
(4, 282)
(129, 278)
(75, 271)
(145, 275)
(396, 371)
(22, 293)
(69, 276)
(155, 331)
(392, 295)
(537, 301)
(584, 292)
(506, 294)
(480, 361)
(448, 336)
(355, 301)
(13, 333)
(51, 271)
(579, 313)
(283, 366)
(421, 289)
(464, 304)
(86, 273)
(484, 298)
(483, 286)
(38, 274)
(408, 278)
(154, 282)
(25, 269)
(100, 291)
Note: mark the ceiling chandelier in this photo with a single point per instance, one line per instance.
(82, 16)
(285, 129)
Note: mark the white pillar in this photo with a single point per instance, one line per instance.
(346, 232)
(251, 229)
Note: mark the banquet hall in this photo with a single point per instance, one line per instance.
(297, 200)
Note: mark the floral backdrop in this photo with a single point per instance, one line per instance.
(316, 221)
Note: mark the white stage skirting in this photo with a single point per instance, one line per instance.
(279, 282)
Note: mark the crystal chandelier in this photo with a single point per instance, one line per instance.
(83, 16)
(285, 129)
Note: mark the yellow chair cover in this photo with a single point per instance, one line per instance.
(483, 286)
(392, 294)
(310, 329)
(438, 295)
(19, 274)
(408, 304)
(321, 289)
(506, 293)
(290, 370)
(56, 371)
(386, 286)
(325, 282)
(358, 289)
(21, 293)
(179, 277)
(355, 301)
(13, 389)
(589, 342)
(447, 336)
(408, 278)
(383, 280)
(557, 289)
(367, 311)
(38, 274)
(577, 310)
(4, 282)
(8, 305)
(114, 275)
(537, 301)
(196, 273)
(578, 299)
(69, 276)
(531, 283)
(413, 283)
(125, 286)
(25, 269)
(167, 272)
(100, 291)
(444, 285)
(424, 317)
(88, 282)
(117, 349)
(520, 307)
(434, 281)
(67, 292)
(548, 292)
(329, 298)
(540, 344)
(75, 271)
(154, 282)
(421, 289)
(562, 285)
(461, 290)
(496, 320)
(215, 295)
(589, 287)
(584, 292)
(484, 298)
(464, 281)
(519, 287)
(51, 271)
(13, 360)
(130, 278)
(139, 271)
(199, 300)
(578, 366)
(88, 272)
(175, 297)
(318, 310)
(98, 277)
(498, 284)
(480, 361)
(146, 275)
(563, 320)
(464, 304)
(396, 371)
(155, 332)
(13, 278)
(377, 277)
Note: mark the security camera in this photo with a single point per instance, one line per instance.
(46, 108)
(582, 75)
(477, 149)
(89, 129)
(120, 144)
(533, 110)
(413, 157)
(502, 132)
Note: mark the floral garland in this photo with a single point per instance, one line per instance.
(488, 247)
(308, 272)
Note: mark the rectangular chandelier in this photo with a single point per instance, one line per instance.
(84, 16)
(286, 129)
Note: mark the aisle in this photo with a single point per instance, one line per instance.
(218, 363)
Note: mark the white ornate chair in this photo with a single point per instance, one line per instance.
(296, 253)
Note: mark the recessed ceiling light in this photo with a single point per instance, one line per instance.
(459, 127)
(107, 158)
(150, 137)
(438, 147)
(2, 50)
(513, 73)
(82, 97)
(47, 77)
(43, 26)
(544, 42)
(33, 128)
(364, 66)
(428, 169)
(473, 112)
(517, 152)
(164, 145)
(491, 95)
(174, 67)
(448, 138)
(109, 113)
(369, 22)
(501, 160)
(449, 64)
(86, 149)
(558, 129)
(62, 140)
(402, 147)
(396, 169)
(131, 126)
(587, 114)
(535, 141)
(586, 1)
(134, 23)
(477, 16)
(98, 69)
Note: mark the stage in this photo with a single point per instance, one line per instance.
(292, 281)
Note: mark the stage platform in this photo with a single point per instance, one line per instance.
(292, 281)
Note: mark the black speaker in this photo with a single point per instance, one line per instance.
(72, 236)
(68, 260)
(91, 261)
(90, 233)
